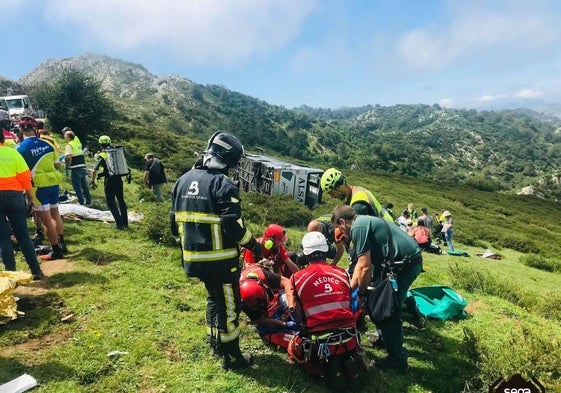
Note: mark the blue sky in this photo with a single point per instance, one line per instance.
(328, 53)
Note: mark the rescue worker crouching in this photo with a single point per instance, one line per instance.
(274, 249)
(206, 215)
(266, 299)
(327, 312)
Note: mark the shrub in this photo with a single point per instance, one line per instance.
(156, 223)
(540, 262)
(522, 245)
(523, 348)
(263, 210)
(490, 283)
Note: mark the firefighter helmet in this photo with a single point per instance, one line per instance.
(226, 147)
(331, 179)
(274, 233)
(252, 293)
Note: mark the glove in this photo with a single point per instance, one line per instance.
(354, 300)
(256, 248)
(257, 251)
(290, 324)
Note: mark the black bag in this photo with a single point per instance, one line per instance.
(382, 301)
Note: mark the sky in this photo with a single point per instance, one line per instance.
(320, 53)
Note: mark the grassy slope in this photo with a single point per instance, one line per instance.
(129, 294)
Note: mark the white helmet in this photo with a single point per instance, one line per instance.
(314, 241)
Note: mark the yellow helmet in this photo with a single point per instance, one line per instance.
(331, 179)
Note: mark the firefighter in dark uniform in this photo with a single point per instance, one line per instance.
(206, 215)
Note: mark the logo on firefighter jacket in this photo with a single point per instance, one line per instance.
(517, 384)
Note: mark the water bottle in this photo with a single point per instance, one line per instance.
(394, 283)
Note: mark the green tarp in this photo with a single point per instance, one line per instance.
(439, 302)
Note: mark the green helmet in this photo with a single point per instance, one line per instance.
(104, 140)
(331, 179)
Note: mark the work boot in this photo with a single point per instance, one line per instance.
(233, 358)
(245, 360)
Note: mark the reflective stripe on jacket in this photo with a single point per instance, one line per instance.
(14, 172)
(207, 212)
(361, 194)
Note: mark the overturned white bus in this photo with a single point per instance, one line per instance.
(271, 176)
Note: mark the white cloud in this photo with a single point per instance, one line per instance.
(202, 31)
(524, 94)
(490, 98)
(529, 94)
(446, 102)
(474, 32)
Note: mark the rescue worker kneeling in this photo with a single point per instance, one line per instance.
(266, 297)
(274, 249)
(328, 342)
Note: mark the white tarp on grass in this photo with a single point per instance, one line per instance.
(87, 213)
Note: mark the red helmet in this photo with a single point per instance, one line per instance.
(252, 293)
(27, 122)
(276, 233)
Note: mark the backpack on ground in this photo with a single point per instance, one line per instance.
(116, 161)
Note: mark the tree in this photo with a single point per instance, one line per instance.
(76, 100)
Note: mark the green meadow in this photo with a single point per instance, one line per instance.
(127, 293)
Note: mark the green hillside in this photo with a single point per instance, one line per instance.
(490, 150)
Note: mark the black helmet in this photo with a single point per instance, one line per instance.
(226, 147)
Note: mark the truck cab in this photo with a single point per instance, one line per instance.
(18, 105)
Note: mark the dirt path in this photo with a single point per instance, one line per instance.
(50, 268)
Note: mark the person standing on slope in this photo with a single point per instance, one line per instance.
(206, 215)
(112, 186)
(43, 162)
